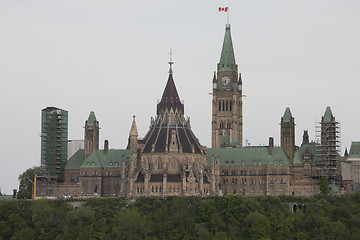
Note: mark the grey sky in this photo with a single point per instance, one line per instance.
(111, 57)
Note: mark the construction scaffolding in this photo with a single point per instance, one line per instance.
(328, 161)
(54, 140)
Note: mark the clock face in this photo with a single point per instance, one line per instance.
(225, 80)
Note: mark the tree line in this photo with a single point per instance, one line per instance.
(230, 217)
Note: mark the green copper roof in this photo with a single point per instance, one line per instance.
(334, 188)
(227, 53)
(287, 115)
(248, 156)
(354, 150)
(113, 159)
(328, 116)
(92, 120)
(298, 156)
(225, 139)
(76, 160)
(235, 142)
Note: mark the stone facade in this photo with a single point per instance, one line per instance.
(170, 161)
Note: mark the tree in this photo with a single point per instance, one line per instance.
(26, 182)
(324, 185)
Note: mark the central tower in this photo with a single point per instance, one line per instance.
(227, 98)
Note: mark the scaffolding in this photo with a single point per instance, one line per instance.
(54, 138)
(328, 161)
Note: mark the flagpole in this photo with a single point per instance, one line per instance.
(228, 16)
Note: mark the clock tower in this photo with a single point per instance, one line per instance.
(227, 122)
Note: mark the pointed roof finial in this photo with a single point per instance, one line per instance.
(171, 62)
(133, 131)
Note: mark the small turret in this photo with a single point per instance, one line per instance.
(214, 81)
(305, 138)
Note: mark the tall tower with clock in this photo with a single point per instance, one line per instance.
(227, 122)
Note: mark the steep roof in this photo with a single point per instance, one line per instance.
(248, 156)
(287, 115)
(354, 150)
(92, 120)
(225, 139)
(298, 156)
(227, 57)
(170, 98)
(113, 159)
(328, 116)
(133, 131)
(76, 160)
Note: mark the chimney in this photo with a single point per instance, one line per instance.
(106, 147)
(271, 145)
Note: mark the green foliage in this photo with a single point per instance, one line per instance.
(324, 185)
(26, 182)
(231, 217)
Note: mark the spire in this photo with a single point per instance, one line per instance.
(133, 131)
(170, 98)
(171, 62)
(287, 115)
(92, 120)
(305, 138)
(328, 116)
(227, 58)
(214, 78)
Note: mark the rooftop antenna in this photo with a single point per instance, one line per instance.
(171, 62)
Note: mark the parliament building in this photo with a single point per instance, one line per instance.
(170, 161)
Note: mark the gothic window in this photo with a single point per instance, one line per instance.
(233, 181)
(226, 105)
(228, 125)
(160, 189)
(178, 189)
(219, 106)
(156, 189)
(137, 189)
(169, 188)
(223, 105)
(174, 189)
(152, 189)
(230, 106)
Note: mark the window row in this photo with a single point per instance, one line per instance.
(242, 181)
(225, 105)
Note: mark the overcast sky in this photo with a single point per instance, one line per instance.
(111, 57)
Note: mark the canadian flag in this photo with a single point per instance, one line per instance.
(223, 9)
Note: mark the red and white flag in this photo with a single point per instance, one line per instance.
(221, 9)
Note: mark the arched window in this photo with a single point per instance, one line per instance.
(226, 105)
(230, 106)
(152, 189)
(223, 103)
(169, 188)
(174, 189)
(160, 189)
(137, 189)
(219, 106)
(178, 189)
(156, 189)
